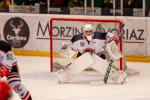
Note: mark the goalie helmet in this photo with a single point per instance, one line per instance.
(87, 27)
(88, 31)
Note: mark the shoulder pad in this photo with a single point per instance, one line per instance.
(99, 35)
(77, 37)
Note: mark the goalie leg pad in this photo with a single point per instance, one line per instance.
(116, 64)
(100, 65)
(66, 55)
(118, 77)
(63, 76)
(75, 67)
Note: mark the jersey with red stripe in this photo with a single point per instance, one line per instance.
(7, 60)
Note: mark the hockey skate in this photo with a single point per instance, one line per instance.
(57, 66)
(62, 76)
(118, 77)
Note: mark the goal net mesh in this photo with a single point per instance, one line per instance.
(63, 29)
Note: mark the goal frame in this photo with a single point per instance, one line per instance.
(82, 20)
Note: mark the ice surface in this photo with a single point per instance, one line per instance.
(36, 76)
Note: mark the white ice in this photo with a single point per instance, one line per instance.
(36, 76)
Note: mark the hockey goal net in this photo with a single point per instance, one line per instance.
(63, 29)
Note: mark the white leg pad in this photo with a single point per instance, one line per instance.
(75, 67)
(63, 76)
(118, 77)
(100, 64)
(81, 63)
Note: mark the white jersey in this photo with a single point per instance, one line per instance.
(80, 43)
(7, 59)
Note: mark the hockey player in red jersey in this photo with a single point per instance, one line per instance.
(9, 69)
(91, 47)
(5, 91)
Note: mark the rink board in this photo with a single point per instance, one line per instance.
(135, 32)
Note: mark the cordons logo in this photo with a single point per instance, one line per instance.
(16, 32)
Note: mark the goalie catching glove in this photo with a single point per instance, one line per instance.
(64, 46)
(64, 50)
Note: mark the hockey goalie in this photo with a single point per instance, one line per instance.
(91, 48)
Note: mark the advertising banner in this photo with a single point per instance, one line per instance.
(31, 32)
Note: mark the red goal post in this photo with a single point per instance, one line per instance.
(62, 30)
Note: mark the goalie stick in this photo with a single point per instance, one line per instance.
(108, 72)
(111, 62)
(106, 76)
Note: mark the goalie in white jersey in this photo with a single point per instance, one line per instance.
(9, 69)
(90, 47)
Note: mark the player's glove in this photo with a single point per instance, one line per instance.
(63, 50)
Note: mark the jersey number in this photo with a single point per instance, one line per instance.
(9, 56)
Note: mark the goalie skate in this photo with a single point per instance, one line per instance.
(118, 77)
(62, 76)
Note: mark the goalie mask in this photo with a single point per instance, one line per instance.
(88, 31)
